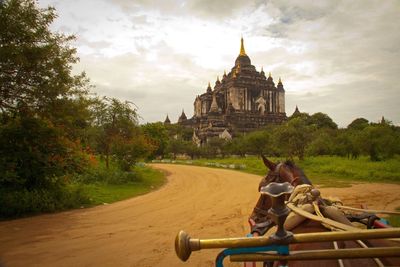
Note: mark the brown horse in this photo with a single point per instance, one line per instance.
(260, 222)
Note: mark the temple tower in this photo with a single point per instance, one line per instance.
(242, 101)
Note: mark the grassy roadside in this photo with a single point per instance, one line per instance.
(327, 171)
(105, 193)
(95, 187)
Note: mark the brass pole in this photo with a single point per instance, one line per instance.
(184, 245)
(300, 238)
(322, 254)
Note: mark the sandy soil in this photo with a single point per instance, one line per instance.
(206, 203)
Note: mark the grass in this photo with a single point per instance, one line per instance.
(105, 193)
(394, 220)
(362, 169)
(95, 187)
(326, 171)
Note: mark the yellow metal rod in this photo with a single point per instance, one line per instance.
(322, 254)
(184, 245)
(300, 238)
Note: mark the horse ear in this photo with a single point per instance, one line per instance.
(269, 164)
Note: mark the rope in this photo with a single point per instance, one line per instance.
(329, 224)
(328, 221)
(367, 210)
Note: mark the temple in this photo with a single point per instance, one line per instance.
(243, 100)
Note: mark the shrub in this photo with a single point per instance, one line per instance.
(15, 203)
(34, 154)
(112, 175)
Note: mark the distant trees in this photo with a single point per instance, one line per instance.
(358, 124)
(294, 136)
(215, 146)
(321, 120)
(302, 135)
(258, 142)
(115, 132)
(379, 141)
(157, 133)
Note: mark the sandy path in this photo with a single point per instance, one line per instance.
(140, 231)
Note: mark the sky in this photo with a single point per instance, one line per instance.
(341, 58)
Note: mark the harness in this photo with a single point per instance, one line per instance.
(266, 223)
(303, 197)
(274, 176)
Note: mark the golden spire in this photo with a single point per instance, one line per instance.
(242, 52)
(217, 78)
(262, 69)
(224, 72)
(280, 80)
(269, 75)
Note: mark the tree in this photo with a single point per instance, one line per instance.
(379, 141)
(294, 136)
(43, 106)
(179, 132)
(258, 142)
(322, 120)
(127, 151)
(35, 63)
(322, 143)
(117, 132)
(33, 154)
(237, 146)
(358, 124)
(302, 115)
(158, 135)
(214, 146)
(192, 149)
(176, 146)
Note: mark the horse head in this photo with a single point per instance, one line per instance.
(277, 172)
(284, 172)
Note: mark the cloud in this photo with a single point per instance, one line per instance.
(336, 57)
(160, 85)
(202, 9)
(344, 104)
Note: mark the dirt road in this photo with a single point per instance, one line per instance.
(205, 202)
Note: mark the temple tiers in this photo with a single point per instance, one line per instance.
(243, 100)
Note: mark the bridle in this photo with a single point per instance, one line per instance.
(276, 177)
(273, 176)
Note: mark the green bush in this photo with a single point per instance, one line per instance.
(16, 203)
(113, 176)
(34, 154)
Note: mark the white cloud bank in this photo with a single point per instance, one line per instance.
(337, 57)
